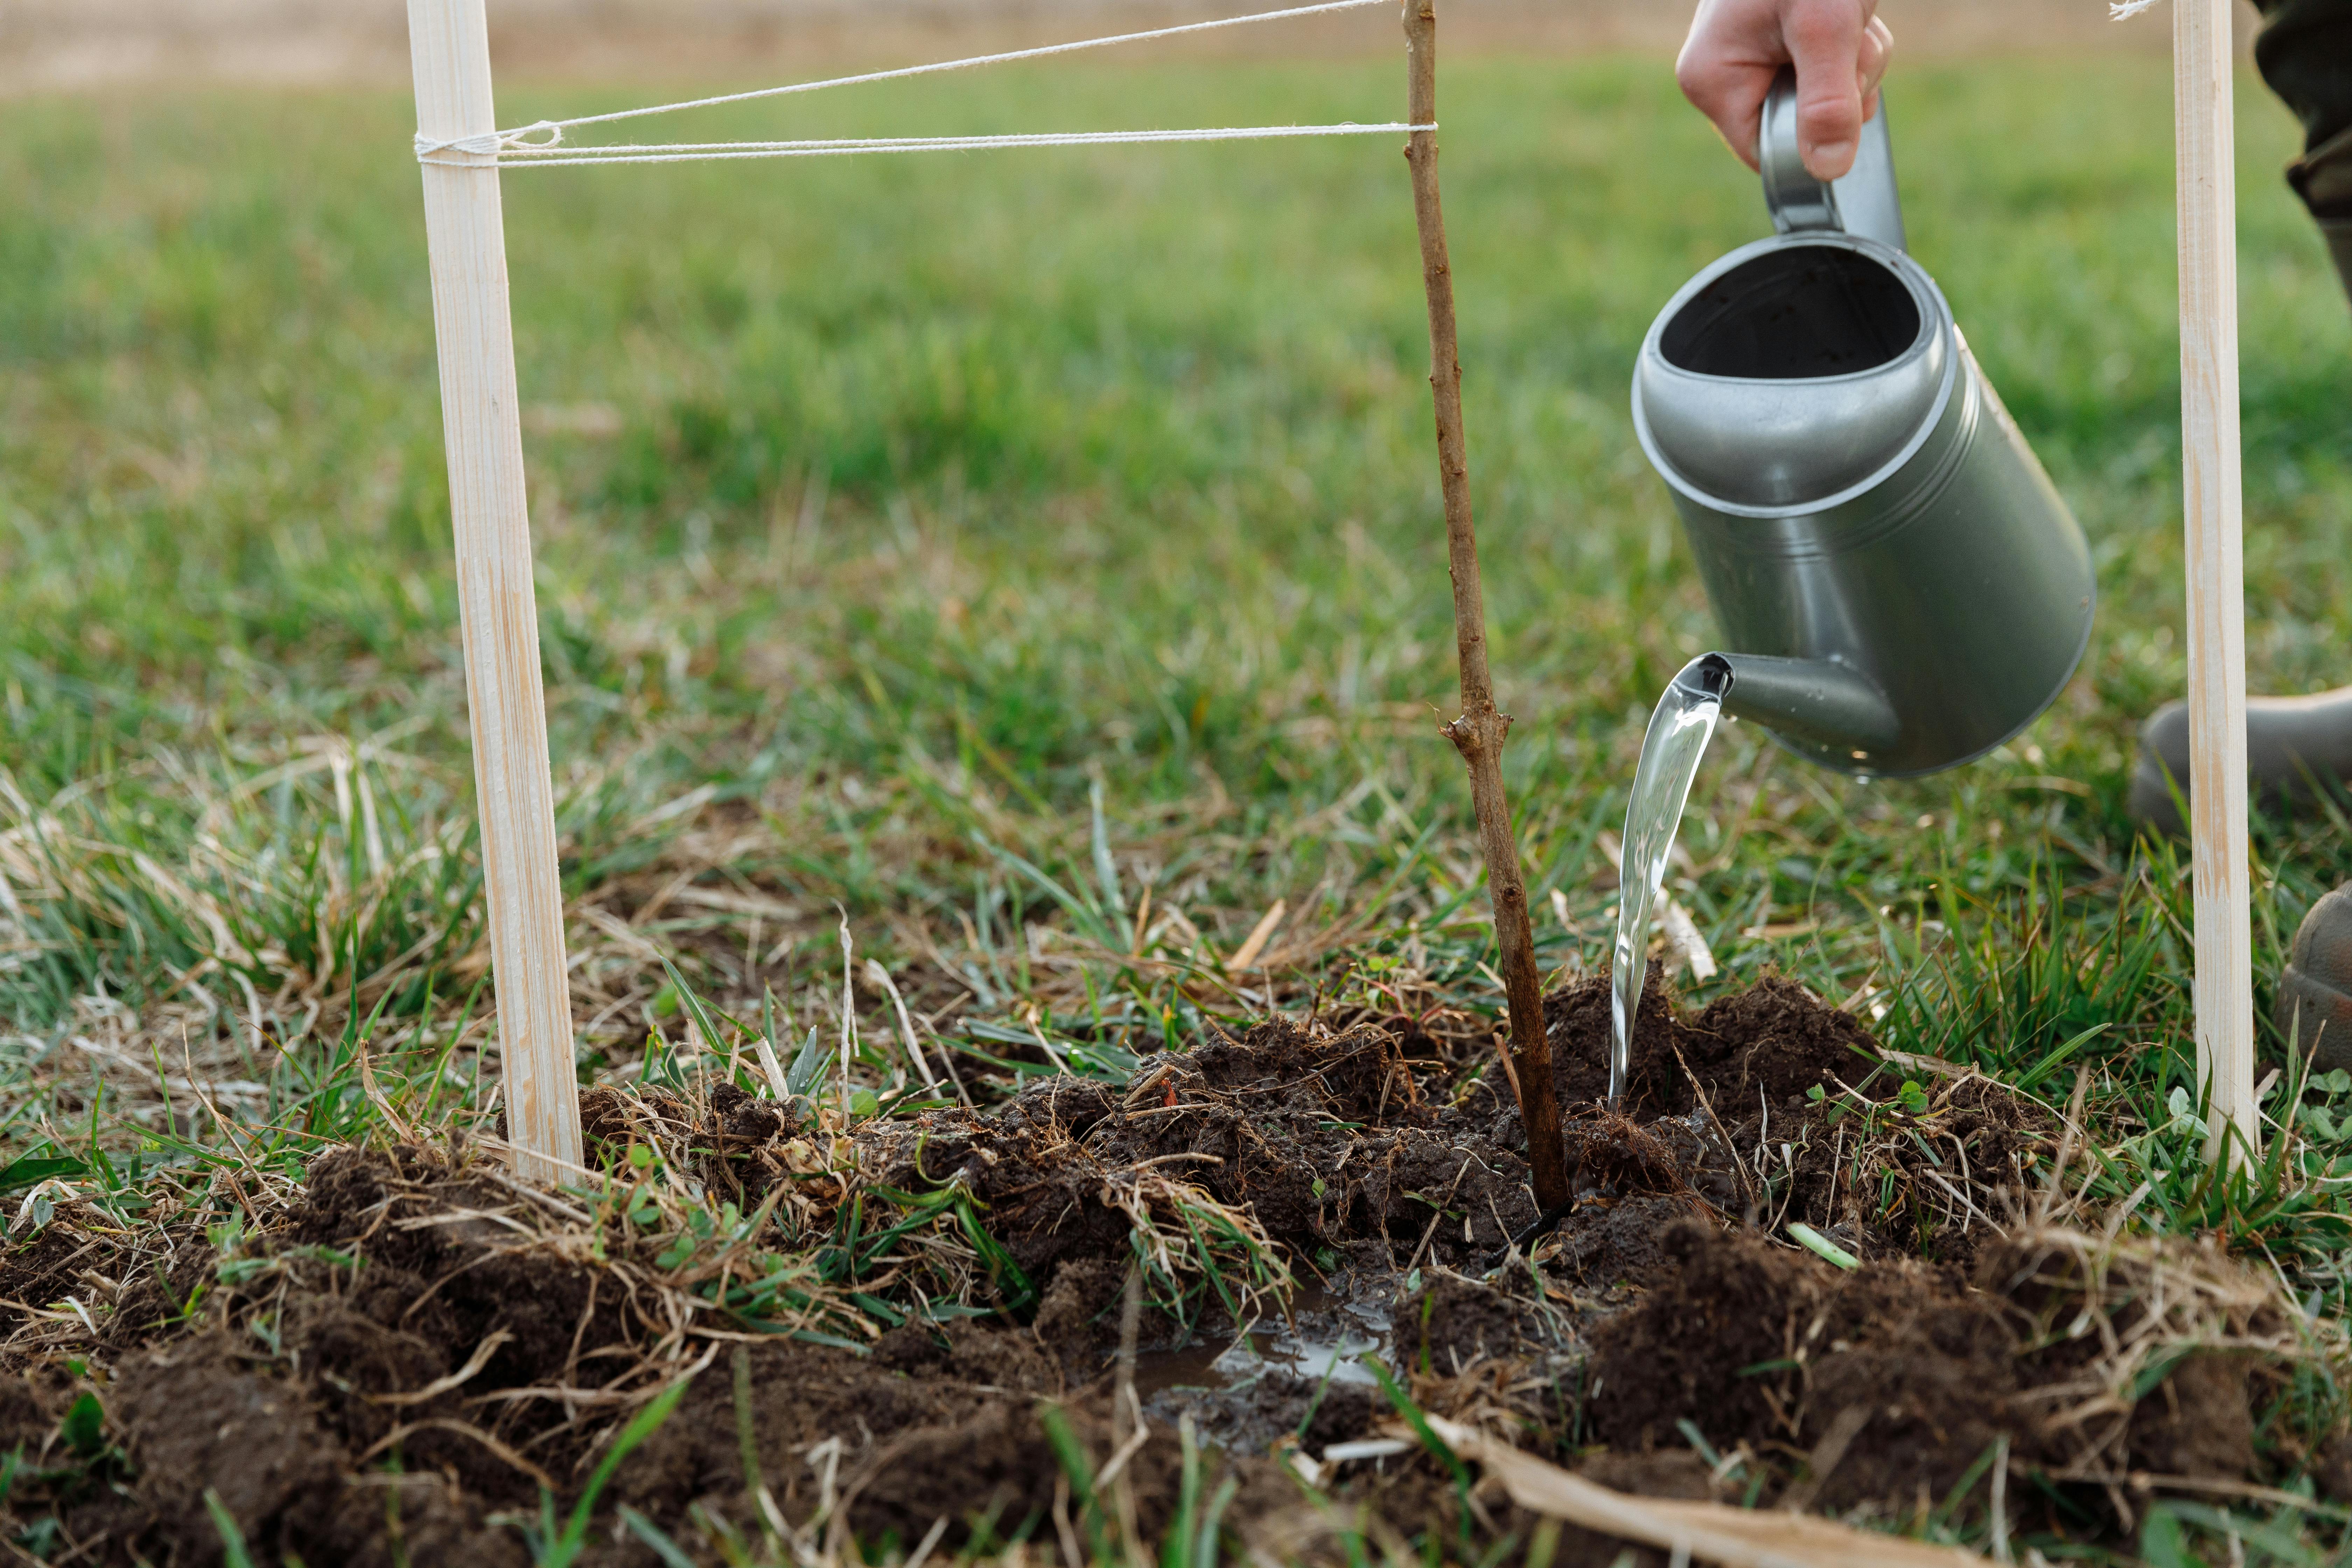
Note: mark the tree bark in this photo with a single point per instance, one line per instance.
(1479, 733)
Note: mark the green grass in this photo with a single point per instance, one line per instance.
(886, 507)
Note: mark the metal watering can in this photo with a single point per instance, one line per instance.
(1901, 585)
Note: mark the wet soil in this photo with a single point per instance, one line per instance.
(1780, 1107)
(382, 1363)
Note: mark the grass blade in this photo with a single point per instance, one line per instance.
(642, 1426)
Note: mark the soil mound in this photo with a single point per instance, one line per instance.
(1758, 1345)
(1322, 1140)
(416, 1308)
(377, 1367)
(1899, 1375)
(876, 1329)
(1773, 1106)
(1776, 1040)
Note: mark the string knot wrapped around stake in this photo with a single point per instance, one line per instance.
(490, 143)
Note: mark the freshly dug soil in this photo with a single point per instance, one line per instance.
(1324, 1140)
(1915, 1370)
(1930, 1365)
(290, 1438)
(1772, 1042)
(378, 1365)
(1782, 1108)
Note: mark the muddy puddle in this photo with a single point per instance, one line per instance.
(897, 1334)
(1324, 1337)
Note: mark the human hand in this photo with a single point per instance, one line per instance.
(1840, 48)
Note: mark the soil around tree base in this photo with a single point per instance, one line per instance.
(388, 1361)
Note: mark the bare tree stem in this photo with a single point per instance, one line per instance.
(1479, 733)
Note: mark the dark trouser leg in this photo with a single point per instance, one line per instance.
(2305, 55)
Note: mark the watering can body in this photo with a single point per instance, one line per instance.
(1900, 587)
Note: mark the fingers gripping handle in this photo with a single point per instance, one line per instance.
(1864, 202)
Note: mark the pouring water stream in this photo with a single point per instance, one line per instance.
(1680, 728)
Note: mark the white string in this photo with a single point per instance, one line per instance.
(492, 143)
(537, 154)
(2117, 10)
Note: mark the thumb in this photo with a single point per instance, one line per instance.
(1825, 40)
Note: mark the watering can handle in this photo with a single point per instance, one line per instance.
(1862, 202)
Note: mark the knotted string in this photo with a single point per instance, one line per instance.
(489, 143)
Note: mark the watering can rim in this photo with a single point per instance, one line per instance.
(1936, 323)
(1933, 312)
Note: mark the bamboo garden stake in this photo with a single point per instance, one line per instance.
(1479, 733)
(450, 47)
(2201, 64)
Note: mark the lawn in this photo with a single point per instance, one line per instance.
(1030, 564)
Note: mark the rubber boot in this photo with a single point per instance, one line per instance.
(2297, 747)
(2314, 993)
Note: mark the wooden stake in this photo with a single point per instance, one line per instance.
(2201, 64)
(450, 47)
(1479, 733)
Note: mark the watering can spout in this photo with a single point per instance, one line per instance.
(1818, 700)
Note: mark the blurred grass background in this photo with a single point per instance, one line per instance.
(885, 506)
